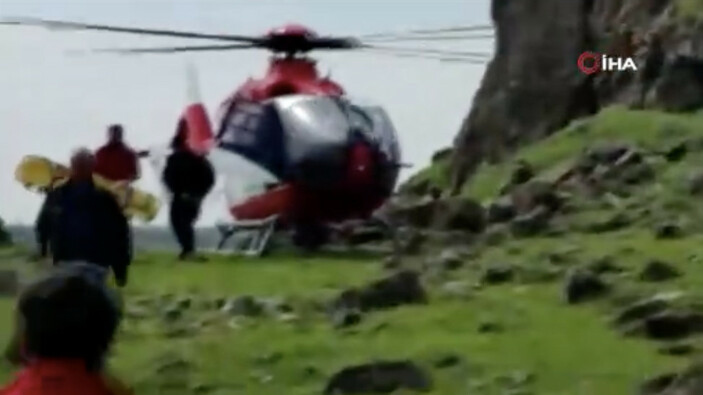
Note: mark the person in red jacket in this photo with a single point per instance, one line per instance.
(116, 161)
(65, 324)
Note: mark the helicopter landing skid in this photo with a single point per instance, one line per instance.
(257, 235)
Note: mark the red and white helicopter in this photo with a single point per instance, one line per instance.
(293, 150)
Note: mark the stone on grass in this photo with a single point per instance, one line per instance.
(383, 377)
(583, 285)
(656, 271)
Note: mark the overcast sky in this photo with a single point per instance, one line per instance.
(52, 103)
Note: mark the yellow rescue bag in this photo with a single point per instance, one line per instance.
(41, 174)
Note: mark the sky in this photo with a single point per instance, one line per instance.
(53, 101)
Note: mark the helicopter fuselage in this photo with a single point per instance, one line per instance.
(347, 179)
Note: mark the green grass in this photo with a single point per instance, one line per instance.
(649, 129)
(569, 350)
(689, 8)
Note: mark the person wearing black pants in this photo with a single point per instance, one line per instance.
(189, 177)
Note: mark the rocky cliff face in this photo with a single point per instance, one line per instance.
(533, 86)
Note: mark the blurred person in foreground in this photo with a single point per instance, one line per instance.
(65, 325)
(189, 177)
(88, 225)
(116, 161)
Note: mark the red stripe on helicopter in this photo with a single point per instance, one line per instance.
(273, 202)
(200, 137)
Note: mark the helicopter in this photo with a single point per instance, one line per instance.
(294, 151)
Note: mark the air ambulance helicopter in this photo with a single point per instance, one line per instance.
(294, 151)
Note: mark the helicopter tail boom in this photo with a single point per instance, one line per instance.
(199, 136)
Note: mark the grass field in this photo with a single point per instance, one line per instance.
(568, 350)
(546, 346)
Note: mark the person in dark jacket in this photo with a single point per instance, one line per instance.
(189, 177)
(88, 225)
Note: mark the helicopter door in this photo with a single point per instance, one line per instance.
(249, 151)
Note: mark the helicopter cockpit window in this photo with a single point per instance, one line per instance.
(254, 131)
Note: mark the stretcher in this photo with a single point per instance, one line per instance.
(40, 174)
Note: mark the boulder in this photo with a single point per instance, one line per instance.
(383, 377)
(526, 197)
(398, 289)
(668, 231)
(647, 307)
(686, 382)
(501, 210)
(613, 222)
(346, 317)
(419, 214)
(677, 349)
(460, 214)
(681, 87)
(677, 152)
(496, 234)
(498, 274)
(245, 306)
(656, 270)
(531, 223)
(582, 286)
(450, 260)
(605, 154)
(668, 325)
(695, 183)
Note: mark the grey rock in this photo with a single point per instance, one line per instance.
(498, 274)
(656, 270)
(532, 223)
(677, 349)
(448, 361)
(345, 318)
(379, 377)
(398, 289)
(501, 210)
(668, 231)
(582, 286)
(246, 306)
(695, 183)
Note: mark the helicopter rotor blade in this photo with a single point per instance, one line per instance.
(427, 51)
(448, 59)
(53, 24)
(432, 38)
(168, 50)
(454, 29)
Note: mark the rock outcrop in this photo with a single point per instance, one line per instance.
(533, 87)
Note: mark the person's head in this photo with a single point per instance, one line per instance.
(67, 316)
(115, 133)
(82, 164)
